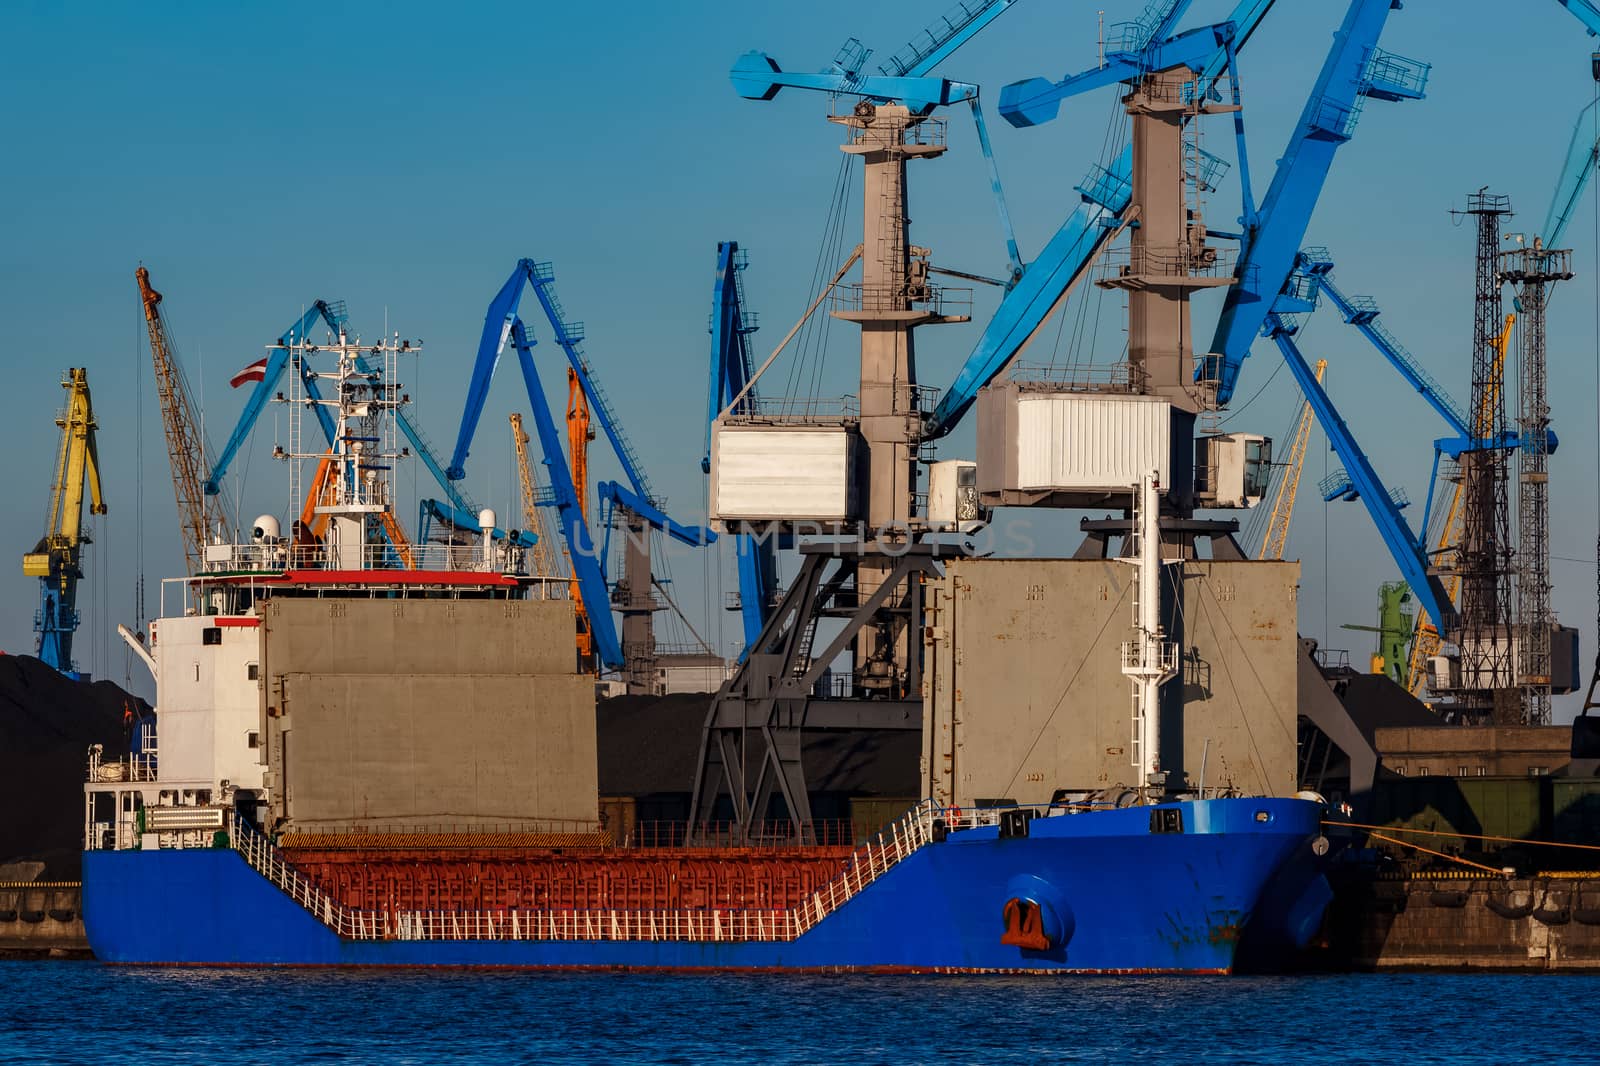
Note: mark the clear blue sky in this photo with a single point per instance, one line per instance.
(402, 156)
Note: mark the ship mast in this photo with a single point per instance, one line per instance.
(1149, 660)
(355, 505)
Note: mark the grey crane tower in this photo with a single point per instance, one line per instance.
(1533, 269)
(892, 299)
(1103, 430)
(852, 476)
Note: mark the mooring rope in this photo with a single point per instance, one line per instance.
(1460, 836)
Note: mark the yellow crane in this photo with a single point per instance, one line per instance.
(1277, 535)
(532, 517)
(56, 560)
(198, 514)
(1425, 640)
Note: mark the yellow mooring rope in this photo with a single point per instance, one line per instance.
(1440, 854)
(1461, 836)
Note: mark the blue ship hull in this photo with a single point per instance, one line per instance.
(1115, 897)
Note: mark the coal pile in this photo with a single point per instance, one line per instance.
(47, 723)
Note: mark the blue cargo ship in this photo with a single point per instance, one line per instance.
(374, 752)
(187, 863)
(1162, 889)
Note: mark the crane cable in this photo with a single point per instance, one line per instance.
(831, 251)
(1111, 142)
(810, 351)
(1260, 517)
(1594, 246)
(138, 490)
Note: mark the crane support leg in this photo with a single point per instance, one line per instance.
(1408, 554)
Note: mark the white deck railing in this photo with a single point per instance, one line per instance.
(865, 865)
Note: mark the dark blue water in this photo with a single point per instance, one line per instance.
(83, 1012)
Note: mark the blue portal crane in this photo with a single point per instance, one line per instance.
(1105, 193)
(1409, 553)
(333, 315)
(1355, 70)
(1586, 12)
(611, 494)
(503, 325)
(905, 78)
(277, 361)
(1362, 312)
(1132, 49)
(1313, 277)
(56, 560)
(1583, 155)
(430, 511)
(1583, 149)
(730, 391)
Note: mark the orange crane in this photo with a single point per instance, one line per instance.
(313, 525)
(579, 434)
(543, 560)
(1425, 639)
(198, 514)
(1277, 535)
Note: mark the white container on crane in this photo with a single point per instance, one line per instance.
(1054, 446)
(764, 473)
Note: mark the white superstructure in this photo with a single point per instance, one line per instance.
(208, 760)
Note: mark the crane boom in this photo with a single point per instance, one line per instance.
(1404, 546)
(197, 513)
(1356, 69)
(1106, 194)
(569, 477)
(543, 561)
(1277, 535)
(55, 560)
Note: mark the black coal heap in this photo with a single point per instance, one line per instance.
(47, 723)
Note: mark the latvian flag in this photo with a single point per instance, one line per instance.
(256, 371)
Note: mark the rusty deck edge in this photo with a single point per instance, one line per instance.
(708, 970)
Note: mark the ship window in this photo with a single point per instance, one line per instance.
(253, 671)
(1166, 820)
(1480, 771)
(1536, 771)
(1401, 770)
(253, 739)
(211, 635)
(1257, 467)
(1422, 771)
